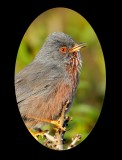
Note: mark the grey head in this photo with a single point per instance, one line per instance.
(57, 49)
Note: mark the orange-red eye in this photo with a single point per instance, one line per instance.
(63, 49)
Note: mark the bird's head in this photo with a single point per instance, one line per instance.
(60, 48)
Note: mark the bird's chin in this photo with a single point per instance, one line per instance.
(75, 60)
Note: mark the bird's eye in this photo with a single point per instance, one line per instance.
(63, 49)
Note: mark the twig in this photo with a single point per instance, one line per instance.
(50, 140)
(74, 141)
(49, 137)
(59, 132)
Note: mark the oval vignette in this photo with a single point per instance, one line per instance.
(89, 97)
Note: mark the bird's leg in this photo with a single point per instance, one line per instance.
(59, 122)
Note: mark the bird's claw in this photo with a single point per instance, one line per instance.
(58, 125)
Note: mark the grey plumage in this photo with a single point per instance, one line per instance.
(38, 84)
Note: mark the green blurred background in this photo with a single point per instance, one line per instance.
(90, 93)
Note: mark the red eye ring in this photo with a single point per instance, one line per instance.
(63, 49)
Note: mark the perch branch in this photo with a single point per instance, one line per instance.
(59, 134)
(57, 140)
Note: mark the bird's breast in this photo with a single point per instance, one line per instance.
(73, 68)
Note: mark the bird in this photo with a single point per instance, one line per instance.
(50, 81)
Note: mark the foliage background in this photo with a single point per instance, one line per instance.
(90, 93)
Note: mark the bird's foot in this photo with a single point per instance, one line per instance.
(58, 125)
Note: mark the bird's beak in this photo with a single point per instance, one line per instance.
(77, 47)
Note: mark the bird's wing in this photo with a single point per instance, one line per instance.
(36, 80)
